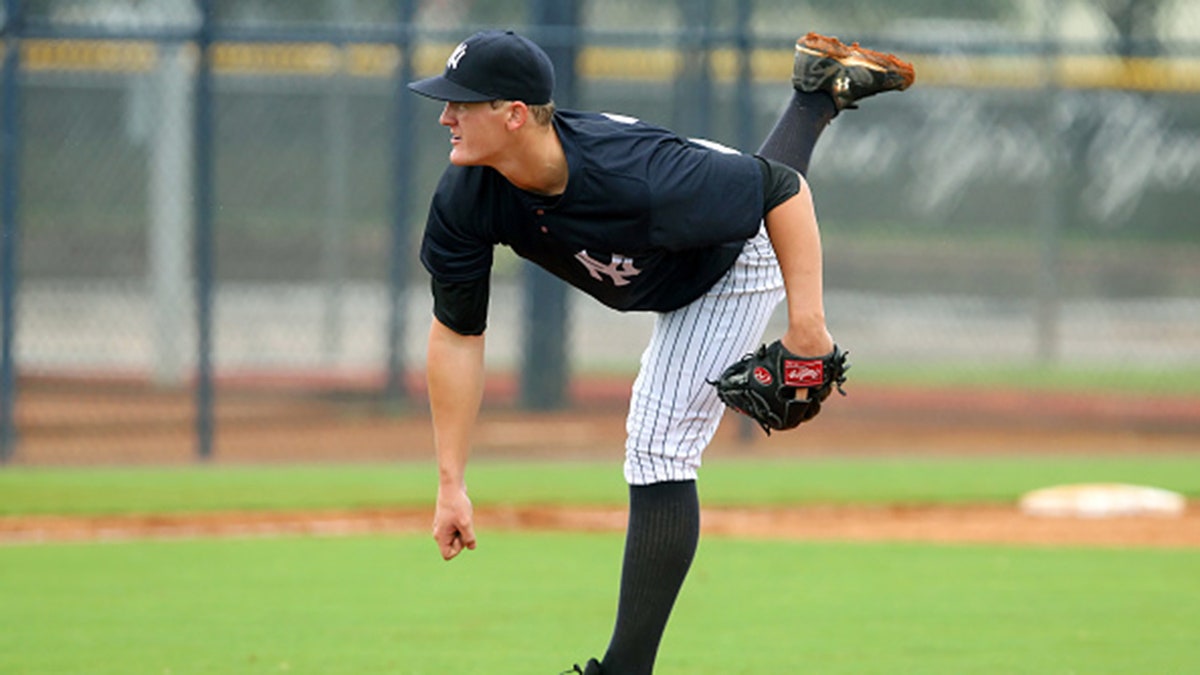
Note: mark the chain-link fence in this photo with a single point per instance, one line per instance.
(259, 165)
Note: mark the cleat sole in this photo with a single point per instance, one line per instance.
(853, 55)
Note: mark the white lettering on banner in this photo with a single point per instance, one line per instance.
(1133, 151)
(1132, 148)
(620, 269)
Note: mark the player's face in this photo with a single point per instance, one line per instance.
(477, 132)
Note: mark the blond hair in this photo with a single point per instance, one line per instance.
(542, 114)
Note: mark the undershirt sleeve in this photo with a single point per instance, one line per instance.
(780, 183)
(462, 306)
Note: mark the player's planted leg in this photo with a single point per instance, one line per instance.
(592, 668)
(660, 542)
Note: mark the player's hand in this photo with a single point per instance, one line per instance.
(453, 527)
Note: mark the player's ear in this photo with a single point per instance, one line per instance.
(518, 115)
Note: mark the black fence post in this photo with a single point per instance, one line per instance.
(203, 254)
(744, 35)
(545, 366)
(403, 157)
(10, 231)
(1053, 208)
(694, 86)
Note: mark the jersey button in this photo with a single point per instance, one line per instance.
(540, 212)
(544, 230)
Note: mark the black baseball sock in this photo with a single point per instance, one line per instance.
(660, 542)
(797, 129)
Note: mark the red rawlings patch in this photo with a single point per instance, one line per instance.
(797, 373)
(762, 376)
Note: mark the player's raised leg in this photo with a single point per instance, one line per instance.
(848, 73)
(828, 77)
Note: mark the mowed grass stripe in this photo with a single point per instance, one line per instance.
(723, 482)
(534, 603)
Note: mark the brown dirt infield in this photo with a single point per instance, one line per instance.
(960, 524)
(63, 425)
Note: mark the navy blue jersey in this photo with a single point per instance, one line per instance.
(648, 220)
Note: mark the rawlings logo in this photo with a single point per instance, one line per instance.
(803, 373)
(762, 376)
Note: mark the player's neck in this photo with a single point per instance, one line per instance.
(537, 163)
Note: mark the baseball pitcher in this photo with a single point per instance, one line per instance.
(709, 239)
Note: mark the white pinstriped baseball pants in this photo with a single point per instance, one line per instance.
(674, 412)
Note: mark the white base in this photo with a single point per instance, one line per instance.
(1102, 500)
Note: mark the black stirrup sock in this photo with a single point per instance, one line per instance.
(660, 542)
(798, 128)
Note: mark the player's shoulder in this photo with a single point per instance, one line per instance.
(612, 141)
(601, 121)
(625, 134)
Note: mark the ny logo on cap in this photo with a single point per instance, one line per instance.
(456, 56)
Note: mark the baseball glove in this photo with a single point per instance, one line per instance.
(764, 385)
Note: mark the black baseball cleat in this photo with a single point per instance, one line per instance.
(592, 668)
(847, 73)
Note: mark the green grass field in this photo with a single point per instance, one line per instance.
(535, 603)
(725, 482)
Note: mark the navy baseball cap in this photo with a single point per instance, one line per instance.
(491, 65)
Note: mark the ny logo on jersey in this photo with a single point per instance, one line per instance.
(456, 56)
(620, 269)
